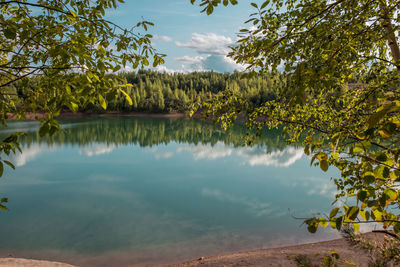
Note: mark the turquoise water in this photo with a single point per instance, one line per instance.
(151, 190)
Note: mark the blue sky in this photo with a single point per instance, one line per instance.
(192, 40)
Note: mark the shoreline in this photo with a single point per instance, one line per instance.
(286, 255)
(71, 115)
(278, 256)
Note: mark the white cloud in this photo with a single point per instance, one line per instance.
(162, 38)
(209, 43)
(216, 63)
(190, 60)
(221, 64)
(96, 149)
(213, 50)
(161, 68)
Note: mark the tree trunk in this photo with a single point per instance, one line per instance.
(390, 35)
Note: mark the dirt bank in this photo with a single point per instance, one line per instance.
(285, 256)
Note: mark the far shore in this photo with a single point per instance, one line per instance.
(282, 256)
(69, 114)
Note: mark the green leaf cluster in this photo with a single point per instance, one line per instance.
(64, 54)
(341, 59)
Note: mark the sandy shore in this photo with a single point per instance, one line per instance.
(13, 262)
(282, 256)
(285, 256)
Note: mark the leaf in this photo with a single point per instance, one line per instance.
(377, 215)
(1, 168)
(384, 133)
(358, 149)
(394, 175)
(307, 150)
(54, 127)
(322, 156)
(10, 33)
(74, 107)
(352, 213)
(396, 227)
(391, 194)
(362, 195)
(333, 212)
(376, 117)
(9, 164)
(73, 14)
(364, 214)
(350, 262)
(335, 255)
(339, 221)
(264, 4)
(127, 97)
(210, 9)
(44, 129)
(312, 228)
(323, 164)
(323, 222)
(103, 102)
(381, 156)
(369, 179)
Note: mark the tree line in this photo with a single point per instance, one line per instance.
(153, 91)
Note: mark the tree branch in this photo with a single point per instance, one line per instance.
(387, 233)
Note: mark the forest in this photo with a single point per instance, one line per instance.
(152, 91)
(161, 92)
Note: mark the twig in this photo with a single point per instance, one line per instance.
(387, 233)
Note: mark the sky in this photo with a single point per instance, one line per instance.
(191, 40)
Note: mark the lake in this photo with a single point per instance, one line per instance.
(155, 190)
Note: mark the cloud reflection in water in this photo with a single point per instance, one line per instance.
(255, 206)
(252, 155)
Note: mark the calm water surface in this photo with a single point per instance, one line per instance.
(145, 191)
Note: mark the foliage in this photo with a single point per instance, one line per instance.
(330, 260)
(151, 91)
(386, 253)
(323, 47)
(57, 54)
